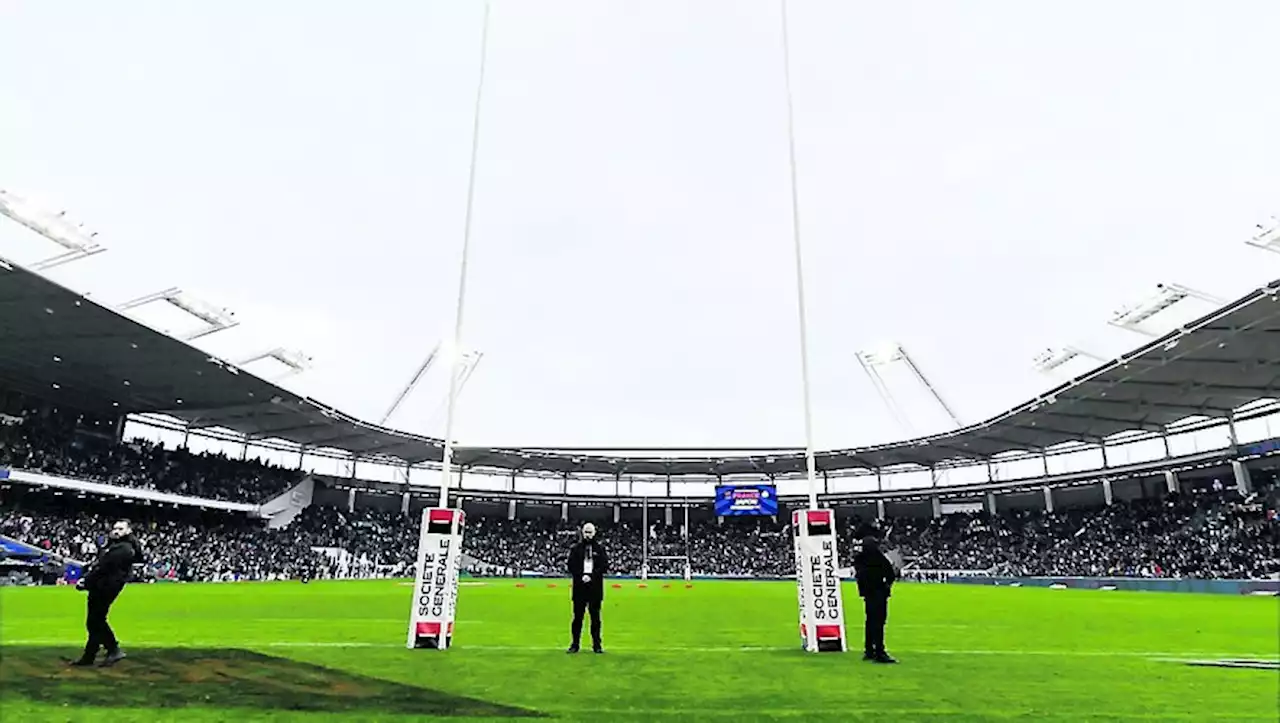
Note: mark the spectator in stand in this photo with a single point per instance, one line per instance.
(54, 446)
(1210, 532)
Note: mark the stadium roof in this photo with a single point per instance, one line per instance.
(59, 345)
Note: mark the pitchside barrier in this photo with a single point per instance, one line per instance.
(1227, 587)
(1223, 587)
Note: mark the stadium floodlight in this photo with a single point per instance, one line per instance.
(1051, 359)
(470, 360)
(295, 361)
(442, 351)
(1167, 295)
(1267, 236)
(882, 354)
(413, 383)
(435, 589)
(214, 319)
(871, 361)
(78, 241)
(887, 354)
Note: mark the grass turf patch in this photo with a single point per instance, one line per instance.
(223, 679)
(717, 651)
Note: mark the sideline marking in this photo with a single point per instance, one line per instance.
(1189, 658)
(1247, 663)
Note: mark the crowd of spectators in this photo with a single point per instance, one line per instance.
(1200, 535)
(179, 545)
(1205, 535)
(58, 444)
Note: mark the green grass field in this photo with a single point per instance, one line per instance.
(724, 651)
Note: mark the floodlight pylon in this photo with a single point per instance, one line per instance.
(882, 389)
(1051, 359)
(413, 383)
(1166, 296)
(885, 355)
(214, 319)
(469, 361)
(1266, 236)
(295, 361)
(79, 241)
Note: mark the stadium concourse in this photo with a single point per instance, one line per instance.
(72, 371)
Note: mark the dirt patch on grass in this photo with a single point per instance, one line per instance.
(223, 678)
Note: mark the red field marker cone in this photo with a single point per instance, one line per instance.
(551, 584)
(688, 585)
(666, 586)
(616, 586)
(519, 584)
(642, 585)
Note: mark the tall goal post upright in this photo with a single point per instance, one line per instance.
(813, 530)
(435, 591)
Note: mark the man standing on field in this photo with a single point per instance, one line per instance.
(588, 564)
(875, 574)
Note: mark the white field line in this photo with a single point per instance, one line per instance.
(1156, 655)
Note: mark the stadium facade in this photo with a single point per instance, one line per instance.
(1199, 400)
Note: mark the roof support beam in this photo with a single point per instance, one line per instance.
(266, 432)
(333, 439)
(1203, 410)
(961, 451)
(1133, 424)
(1041, 430)
(1235, 390)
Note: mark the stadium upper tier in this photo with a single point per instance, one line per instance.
(60, 345)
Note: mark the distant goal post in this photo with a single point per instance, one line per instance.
(666, 566)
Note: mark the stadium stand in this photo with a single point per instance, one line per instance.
(57, 443)
(111, 365)
(66, 419)
(1206, 534)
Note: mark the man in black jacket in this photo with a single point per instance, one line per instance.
(588, 564)
(104, 580)
(875, 574)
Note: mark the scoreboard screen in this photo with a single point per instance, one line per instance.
(734, 500)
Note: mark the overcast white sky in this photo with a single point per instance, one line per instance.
(978, 180)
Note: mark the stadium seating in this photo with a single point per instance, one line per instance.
(1210, 535)
(55, 444)
(1205, 533)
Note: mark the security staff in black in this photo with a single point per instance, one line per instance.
(588, 564)
(875, 575)
(104, 580)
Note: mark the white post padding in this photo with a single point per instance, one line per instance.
(435, 589)
(818, 581)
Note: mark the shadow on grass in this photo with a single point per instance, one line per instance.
(223, 678)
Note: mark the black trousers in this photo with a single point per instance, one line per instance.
(580, 607)
(877, 609)
(95, 622)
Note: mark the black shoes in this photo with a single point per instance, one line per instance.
(80, 663)
(879, 657)
(573, 650)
